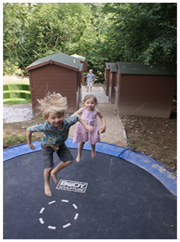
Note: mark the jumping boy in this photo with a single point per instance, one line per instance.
(56, 130)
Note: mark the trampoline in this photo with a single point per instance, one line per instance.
(120, 194)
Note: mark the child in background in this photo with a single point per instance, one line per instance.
(56, 130)
(89, 114)
(90, 80)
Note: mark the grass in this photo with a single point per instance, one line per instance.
(127, 125)
(134, 147)
(19, 139)
(16, 93)
(11, 102)
(10, 140)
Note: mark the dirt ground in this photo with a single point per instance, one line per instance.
(155, 137)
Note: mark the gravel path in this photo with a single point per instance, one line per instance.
(15, 113)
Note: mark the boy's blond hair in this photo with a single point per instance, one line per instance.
(54, 103)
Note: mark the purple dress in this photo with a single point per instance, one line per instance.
(81, 135)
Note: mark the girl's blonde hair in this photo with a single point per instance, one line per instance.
(90, 96)
(54, 103)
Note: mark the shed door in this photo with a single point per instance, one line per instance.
(116, 92)
(116, 99)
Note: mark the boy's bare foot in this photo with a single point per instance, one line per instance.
(93, 153)
(78, 158)
(47, 190)
(54, 176)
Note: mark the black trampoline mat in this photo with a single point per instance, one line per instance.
(122, 201)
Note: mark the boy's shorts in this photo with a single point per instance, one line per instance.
(90, 84)
(63, 153)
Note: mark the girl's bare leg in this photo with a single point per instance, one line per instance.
(80, 147)
(93, 152)
(47, 189)
(59, 167)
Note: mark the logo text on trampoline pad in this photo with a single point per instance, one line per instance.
(72, 186)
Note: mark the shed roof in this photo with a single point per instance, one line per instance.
(79, 57)
(107, 64)
(67, 61)
(141, 69)
(113, 67)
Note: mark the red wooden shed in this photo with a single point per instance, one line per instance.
(112, 82)
(144, 90)
(58, 73)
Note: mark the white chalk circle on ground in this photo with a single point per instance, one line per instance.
(65, 225)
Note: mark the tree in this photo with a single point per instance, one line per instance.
(46, 28)
(101, 32)
(144, 32)
(14, 18)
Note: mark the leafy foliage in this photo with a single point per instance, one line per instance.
(144, 32)
(101, 32)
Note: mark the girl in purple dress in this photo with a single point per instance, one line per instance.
(88, 114)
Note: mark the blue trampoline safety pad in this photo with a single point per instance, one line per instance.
(165, 175)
